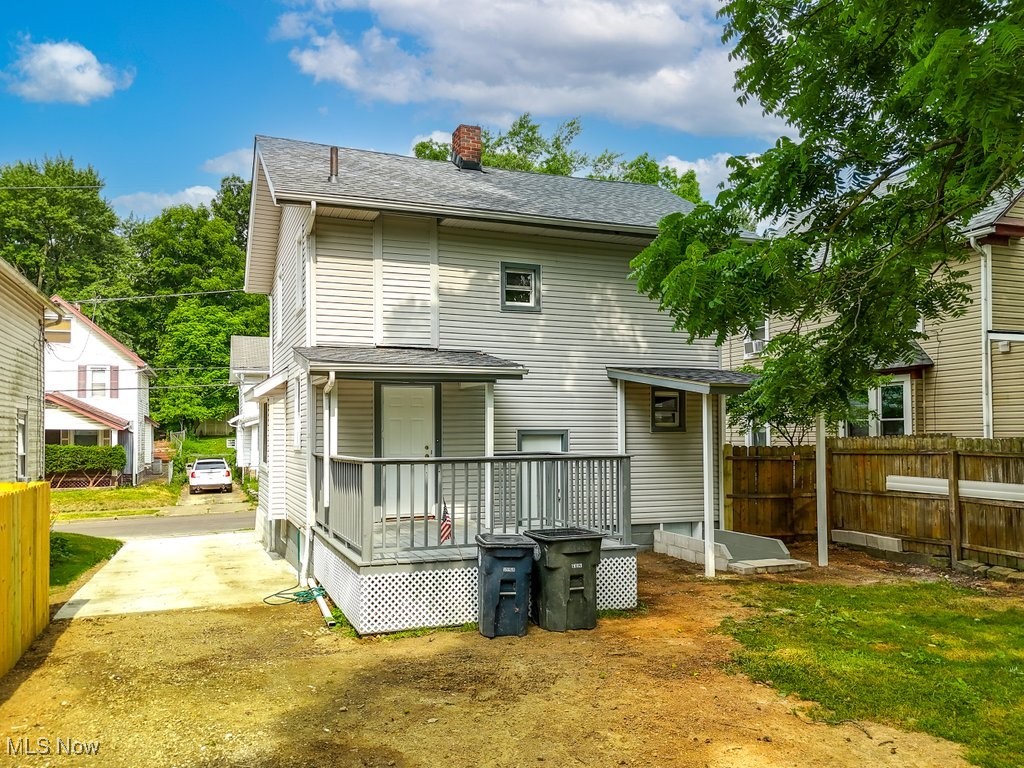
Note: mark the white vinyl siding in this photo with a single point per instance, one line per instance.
(273, 499)
(666, 468)
(21, 386)
(355, 417)
(593, 317)
(344, 282)
(1008, 357)
(406, 291)
(462, 420)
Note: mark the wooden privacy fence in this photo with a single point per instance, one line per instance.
(24, 567)
(769, 490)
(942, 496)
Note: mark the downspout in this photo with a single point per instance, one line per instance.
(985, 254)
(305, 577)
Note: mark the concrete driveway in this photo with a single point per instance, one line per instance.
(179, 573)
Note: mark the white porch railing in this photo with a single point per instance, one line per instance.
(382, 508)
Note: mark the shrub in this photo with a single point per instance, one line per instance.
(85, 458)
(60, 548)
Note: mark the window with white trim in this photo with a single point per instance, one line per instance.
(882, 411)
(759, 436)
(99, 380)
(520, 287)
(22, 445)
(667, 410)
(757, 337)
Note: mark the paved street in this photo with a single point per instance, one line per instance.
(153, 527)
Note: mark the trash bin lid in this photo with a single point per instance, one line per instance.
(502, 540)
(563, 534)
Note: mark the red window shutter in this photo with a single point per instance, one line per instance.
(83, 374)
(113, 380)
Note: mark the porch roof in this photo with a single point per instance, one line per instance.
(90, 412)
(402, 363)
(705, 381)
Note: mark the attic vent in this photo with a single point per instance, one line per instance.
(334, 165)
(466, 147)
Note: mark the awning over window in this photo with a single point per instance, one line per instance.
(86, 410)
(702, 380)
(404, 363)
(915, 360)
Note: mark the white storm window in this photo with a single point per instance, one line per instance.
(759, 436)
(98, 381)
(885, 411)
(22, 445)
(520, 287)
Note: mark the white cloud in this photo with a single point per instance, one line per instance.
(63, 72)
(653, 61)
(444, 137)
(237, 161)
(146, 204)
(711, 171)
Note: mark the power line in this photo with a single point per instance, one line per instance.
(136, 389)
(105, 299)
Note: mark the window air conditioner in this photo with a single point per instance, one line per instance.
(753, 347)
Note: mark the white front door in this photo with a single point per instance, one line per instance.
(407, 432)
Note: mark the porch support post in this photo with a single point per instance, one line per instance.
(709, 488)
(722, 418)
(489, 451)
(821, 492)
(620, 412)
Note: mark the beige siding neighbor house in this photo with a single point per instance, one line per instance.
(22, 313)
(250, 365)
(459, 348)
(966, 376)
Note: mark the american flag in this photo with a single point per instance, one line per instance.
(447, 532)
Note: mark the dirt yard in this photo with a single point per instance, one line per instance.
(264, 687)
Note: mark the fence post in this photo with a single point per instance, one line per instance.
(955, 539)
(727, 487)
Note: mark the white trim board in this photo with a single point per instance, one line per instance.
(939, 486)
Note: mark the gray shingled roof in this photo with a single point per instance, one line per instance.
(695, 379)
(299, 170)
(370, 359)
(916, 358)
(250, 353)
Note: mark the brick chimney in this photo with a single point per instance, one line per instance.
(466, 147)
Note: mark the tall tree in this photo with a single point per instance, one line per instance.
(910, 118)
(55, 226)
(524, 147)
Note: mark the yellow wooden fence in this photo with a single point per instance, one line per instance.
(24, 567)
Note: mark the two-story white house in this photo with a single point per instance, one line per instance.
(97, 389)
(250, 364)
(455, 346)
(22, 312)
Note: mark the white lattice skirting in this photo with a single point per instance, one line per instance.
(390, 601)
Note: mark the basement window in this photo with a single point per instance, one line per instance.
(520, 287)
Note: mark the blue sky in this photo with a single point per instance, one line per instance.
(163, 99)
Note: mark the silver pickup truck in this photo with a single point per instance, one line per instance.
(209, 474)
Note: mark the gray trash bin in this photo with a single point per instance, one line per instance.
(565, 578)
(505, 562)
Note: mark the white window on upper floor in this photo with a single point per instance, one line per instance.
(757, 337)
(21, 439)
(520, 287)
(99, 380)
(883, 411)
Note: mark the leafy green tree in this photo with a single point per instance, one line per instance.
(524, 147)
(232, 205)
(193, 357)
(910, 117)
(55, 226)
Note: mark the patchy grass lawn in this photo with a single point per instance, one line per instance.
(78, 553)
(144, 500)
(928, 657)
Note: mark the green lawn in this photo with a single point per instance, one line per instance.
(927, 657)
(145, 499)
(80, 553)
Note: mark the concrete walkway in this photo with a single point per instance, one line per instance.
(180, 573)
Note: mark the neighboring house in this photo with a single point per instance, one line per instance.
(22, 311)
(97, 389)
(460, 347)
(250, 364)
(965, 377)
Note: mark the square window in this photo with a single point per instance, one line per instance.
(667, 410)
(520, 287)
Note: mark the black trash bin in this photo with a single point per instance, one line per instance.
(565, 578)
(505, 560)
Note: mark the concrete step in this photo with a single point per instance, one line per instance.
(768, 565)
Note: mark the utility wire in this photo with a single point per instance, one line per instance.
(136, 389)
(105, 299)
